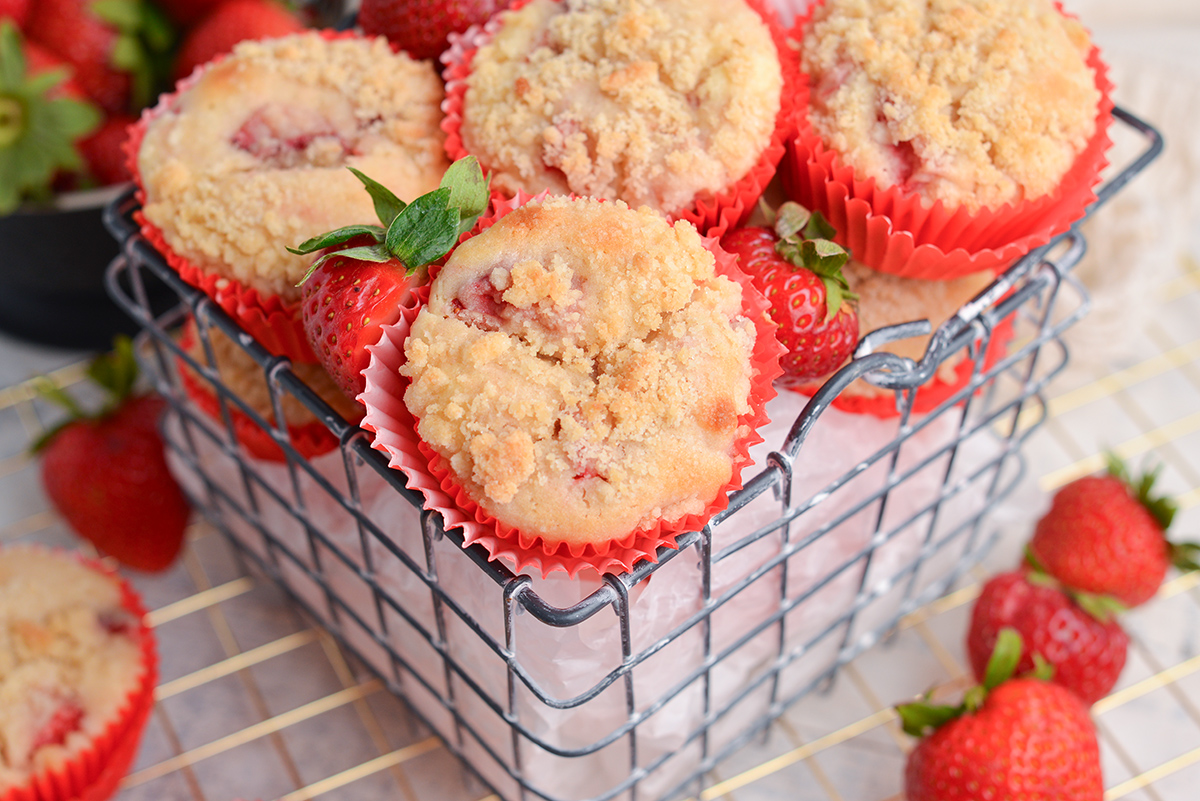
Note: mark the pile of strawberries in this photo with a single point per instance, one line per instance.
(1099, 550)
(75, 73)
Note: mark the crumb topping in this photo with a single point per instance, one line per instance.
(252, 158)
(582, 368)
(244, 378)
(653, 103)
(68, 659)
(976, 103)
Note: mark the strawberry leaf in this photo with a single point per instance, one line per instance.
(468, 191)
(921, 717)
(117, 370)
(790, 220)
(1162, 508)
(425, 231)
(1043, 670)
(387, 205)
(373, 253)
(818, 227)
(823, 256)
(1102, 608)
(1185, 555)
(1004, 659)
(338, 237)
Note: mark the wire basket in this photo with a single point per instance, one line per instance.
(631, 686)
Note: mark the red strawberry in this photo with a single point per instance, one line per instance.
(107, 473)
(229, 23)
(799, 270)
(1107, 535)
(40, 122)
(104, 152)
(16, 10)
(421, 27)
(367, 272)
(116, 46)
(1086, 648)
(1020, 739)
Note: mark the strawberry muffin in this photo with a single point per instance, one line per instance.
(76, 674)
(655, 103)
(249, 156)
(571, 359)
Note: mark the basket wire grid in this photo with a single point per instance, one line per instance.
(1043, 284)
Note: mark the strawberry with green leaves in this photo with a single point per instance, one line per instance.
(40, 124)
(1011, 739)
(1076, 633)
(366, 274)
(1106, 535)
(106, 472)
(798, 267)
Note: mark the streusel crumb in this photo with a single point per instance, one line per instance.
(582, 368)
(976, 103)
(653, 103)
(69, 657)
(252, 158)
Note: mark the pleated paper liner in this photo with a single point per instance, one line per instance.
(931, 394)
(92, 773)
(711, 214)
(893, 231)
(428, 472)
(310, 439)
(274, 322)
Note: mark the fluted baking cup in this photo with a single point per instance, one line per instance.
(712, 214)
(428, 472)
(893, 231)
(92, 773)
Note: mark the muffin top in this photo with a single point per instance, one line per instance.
(975, 103)
(571, 358)
(69, 657)
(252, 156)
(648, 101)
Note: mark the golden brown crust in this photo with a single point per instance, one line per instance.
(649, 102)
(582, 369)
(975, 103)
(252, 158)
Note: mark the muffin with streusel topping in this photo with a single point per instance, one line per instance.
(249, 157)
(662, 103)
(966, 123)
(77, 672)
(584, 375)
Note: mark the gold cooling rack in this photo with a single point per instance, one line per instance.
(255, 703)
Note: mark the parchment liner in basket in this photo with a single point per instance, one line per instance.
(712, 215)
(894, 232)
(428, 473)
(93, 772)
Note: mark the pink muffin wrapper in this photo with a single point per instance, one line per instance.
(428, 472)
(274, 322)
(711, 214)
(94, 772)
(931, 394)
(893, 231)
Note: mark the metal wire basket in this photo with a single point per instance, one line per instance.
(631, 686)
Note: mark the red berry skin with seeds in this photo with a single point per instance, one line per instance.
(109, 479)
(1029, 741)
(70, 30)
(1099, 538)
(420, 27)
(816, 347)
(231, 22)
(344, 306)
(1087, 655)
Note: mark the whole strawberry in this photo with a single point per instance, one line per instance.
(1021, 739)
(231, 22)
(41, 123)
(1085, 646)
(1107, 535)
(367, 272)
(107, 475)
(117, 47)
(799, 270)
(421, 27)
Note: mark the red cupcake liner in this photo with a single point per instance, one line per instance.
(895, 232)
(274, 322)
(94, 772)
(309, 439)
(712, 215)
(931, 394)
(428, 472)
